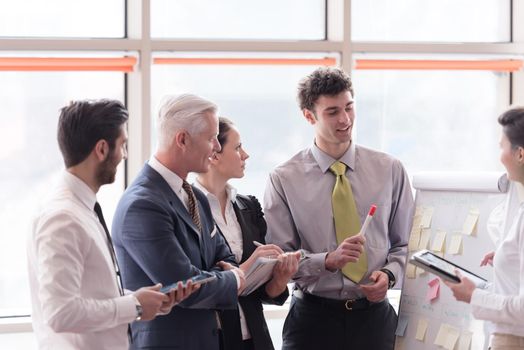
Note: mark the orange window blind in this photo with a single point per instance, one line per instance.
(113, 64)
(327, 61)
(488, 65)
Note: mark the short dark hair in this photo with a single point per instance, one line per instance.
(323, 81)
(512, 122)
(83, 123)
(224, 125)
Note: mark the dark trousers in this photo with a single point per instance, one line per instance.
(311, 325)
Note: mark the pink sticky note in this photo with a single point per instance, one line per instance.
(433, 289)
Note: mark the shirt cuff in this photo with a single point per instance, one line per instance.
(237, 278)
(476, 297)
(315, 264)
(125, 308)
(484, 299)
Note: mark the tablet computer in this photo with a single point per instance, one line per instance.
(202, 278)
(445, 269)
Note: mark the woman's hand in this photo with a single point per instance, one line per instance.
(285, 268)
(462, 291)
(266, 250)
(488, 259)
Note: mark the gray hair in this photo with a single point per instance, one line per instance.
(182, 112)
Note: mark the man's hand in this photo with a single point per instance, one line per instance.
(228, 267)
(266, 250)
(462, 291)
(348, 251)
(488, 259)
(377, 290)
(177, 295)
(151, 301)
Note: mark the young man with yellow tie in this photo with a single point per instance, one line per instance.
(316, 202)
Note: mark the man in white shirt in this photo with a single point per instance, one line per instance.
(77, 298)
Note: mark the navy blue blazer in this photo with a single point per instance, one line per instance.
(156, 241)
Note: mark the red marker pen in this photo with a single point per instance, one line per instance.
(368, 219)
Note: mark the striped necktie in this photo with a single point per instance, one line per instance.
(192, 205)
(347, 220)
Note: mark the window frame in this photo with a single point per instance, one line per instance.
(338, 41)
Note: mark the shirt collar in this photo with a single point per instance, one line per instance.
(230, 190)
(173, 180)
(80, 189)
(325, 161)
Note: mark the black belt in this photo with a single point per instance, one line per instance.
(342, 305)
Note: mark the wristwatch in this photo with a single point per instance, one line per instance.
(391, 278)
(138, 309)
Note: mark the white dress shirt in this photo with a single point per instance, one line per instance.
(229, 226)
(504, 305)
(173, 180)
(231, 230)
(74, 291)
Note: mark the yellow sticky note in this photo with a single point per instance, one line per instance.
(417, 218)
(447, 336)
(422, 326)
(451, 337)
(438, 241)
(465, 341)
(414, 239)
(441, 335)
(424, 238)
(411, 271)
(471, 221)
(426, 217)
(455, 247)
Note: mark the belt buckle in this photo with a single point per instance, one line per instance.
(349, 304)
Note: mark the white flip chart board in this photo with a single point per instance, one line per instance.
(455, 208)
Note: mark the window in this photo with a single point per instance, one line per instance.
(432, 120)
(434, 20)
(62, 18)
(30, 103)
(238, 19)
(429, 119)
(259, 99)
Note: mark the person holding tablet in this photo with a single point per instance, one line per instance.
(241, 220)
(504, 304)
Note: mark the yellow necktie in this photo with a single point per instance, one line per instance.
(347, 220)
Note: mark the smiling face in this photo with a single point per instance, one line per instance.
(512, 159)
(230, 163)
(333, 118)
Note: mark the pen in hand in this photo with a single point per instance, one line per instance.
(368, 219)
(302, 253)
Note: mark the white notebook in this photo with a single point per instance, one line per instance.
(258, 274)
